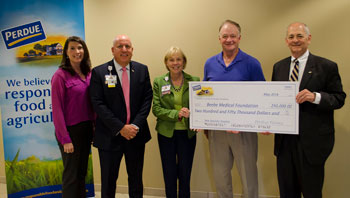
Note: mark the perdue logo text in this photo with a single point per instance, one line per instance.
(24, 34)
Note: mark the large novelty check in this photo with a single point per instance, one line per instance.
(245, 106)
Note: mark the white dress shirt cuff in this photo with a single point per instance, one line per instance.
(317, 98)
(138, 128)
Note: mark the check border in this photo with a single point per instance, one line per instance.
(249, 87)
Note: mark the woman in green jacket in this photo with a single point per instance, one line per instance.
(176, 141)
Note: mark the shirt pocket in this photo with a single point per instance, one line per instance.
(72, 83)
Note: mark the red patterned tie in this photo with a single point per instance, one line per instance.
(126, 91)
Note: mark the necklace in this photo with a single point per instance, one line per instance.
(172, 84)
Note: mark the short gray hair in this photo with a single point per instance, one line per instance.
(306, 28)
(232, 23)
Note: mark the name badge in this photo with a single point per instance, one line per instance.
(111, 80)
(166, 89)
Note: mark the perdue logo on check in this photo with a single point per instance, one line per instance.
(24, 34)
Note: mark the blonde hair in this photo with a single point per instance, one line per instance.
(174, 50)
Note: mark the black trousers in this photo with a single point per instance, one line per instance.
(296, 175)
(177, 157)
(110, 164)
(75, 164)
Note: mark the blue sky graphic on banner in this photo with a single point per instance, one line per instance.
(33, 33)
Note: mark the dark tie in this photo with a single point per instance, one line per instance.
(295, 72)
(126, 90)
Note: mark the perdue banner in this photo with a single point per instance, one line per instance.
(33, 33)
(24, 34)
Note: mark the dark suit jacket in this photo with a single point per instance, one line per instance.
(110, 107)
(316, 122)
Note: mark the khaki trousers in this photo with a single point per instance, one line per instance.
(225, 148)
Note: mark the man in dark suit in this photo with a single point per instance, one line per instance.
(121, 95)
(301, 158)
